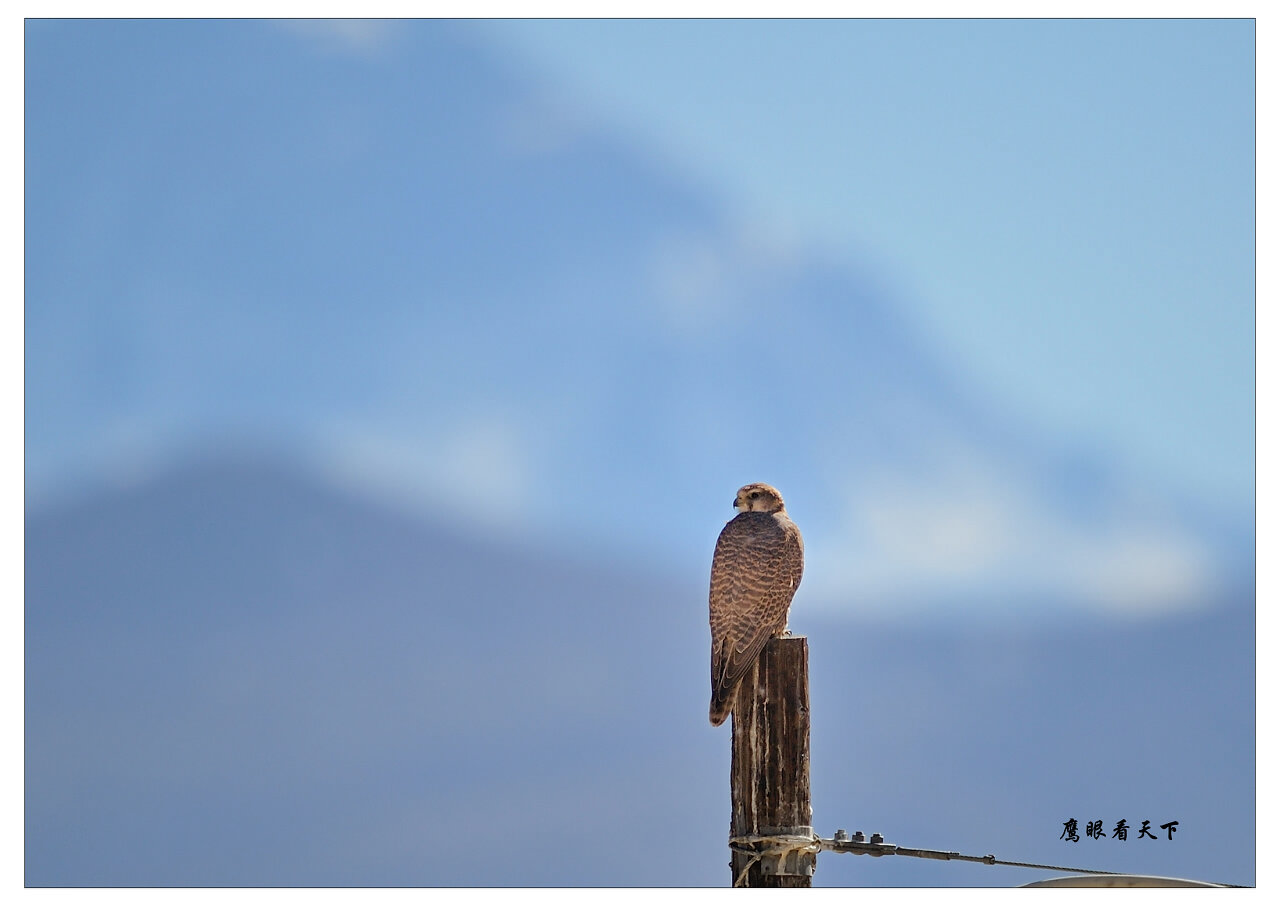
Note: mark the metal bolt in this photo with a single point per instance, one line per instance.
(877, 839)
(841, 836)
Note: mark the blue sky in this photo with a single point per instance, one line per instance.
(1067, 205)
(976, 295)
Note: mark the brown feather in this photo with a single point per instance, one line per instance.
(757, 566)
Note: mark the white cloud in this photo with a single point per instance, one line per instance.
(691, 277)
(477, 468)
(1137, 568)
(482, 460)
(969, 531)
(701, 278)
(358, 37)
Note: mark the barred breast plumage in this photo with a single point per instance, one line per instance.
(756, 569)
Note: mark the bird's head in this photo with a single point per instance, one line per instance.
(758, 498)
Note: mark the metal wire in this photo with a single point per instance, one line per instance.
(858, 845)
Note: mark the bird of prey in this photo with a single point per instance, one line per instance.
(754, 574)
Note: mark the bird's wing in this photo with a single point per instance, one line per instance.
(754, 574)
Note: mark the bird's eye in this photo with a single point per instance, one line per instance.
(755, 494)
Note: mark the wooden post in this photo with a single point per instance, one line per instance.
(769, 776)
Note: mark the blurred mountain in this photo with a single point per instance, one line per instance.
(393, 255)
(237, 675)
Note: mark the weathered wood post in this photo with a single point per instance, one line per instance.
(769, 776)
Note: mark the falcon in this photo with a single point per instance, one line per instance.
(754, 574)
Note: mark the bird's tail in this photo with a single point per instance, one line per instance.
(720, 710)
